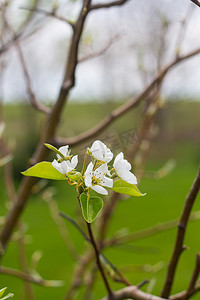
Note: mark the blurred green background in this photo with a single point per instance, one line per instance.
(178, 139)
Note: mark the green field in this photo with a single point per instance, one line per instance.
(178, 139)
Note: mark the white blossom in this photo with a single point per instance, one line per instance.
(123, 167)
(66, 166)
(96, 179)
(101, 152)
(64, 150)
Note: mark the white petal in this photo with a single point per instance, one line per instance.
(74, 161)
(101, 152)
(118, 158)
(65, 168)
(64, 150)
(88, 175)
(121, 163)
(101, 171)
(89, 169)
(127, 176)
(99, 189)
(59, 167)
(88, 180)
(107, 182)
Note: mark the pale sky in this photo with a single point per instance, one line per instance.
(114, 75)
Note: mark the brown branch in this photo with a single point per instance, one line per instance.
(108, 5)
(97, 253)
(194, 278)
(132, 103)
(138, 235)
(100, 51)
(26, 277)
(50, 127)
(181, 295)
(196, 2)
(48, 14)
(132, 292)
(32, 97)
(20, 32)
(178, 248)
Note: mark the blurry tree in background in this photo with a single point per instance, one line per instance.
(152, 57)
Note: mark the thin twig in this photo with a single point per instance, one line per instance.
(68, 218)
(49, 129)
(53, 208)
(32, 97)
(194, 278)
(26, 277)
(51, 13)
(182, 226)
(138, 235)
(97, 253)
(132, 103)
(181, 295)
(100, 51)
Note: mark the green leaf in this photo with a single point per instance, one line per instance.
(10, 295)
(55, 150)
(2, 291)
(122, 187)
(91, 206)
(44, 170)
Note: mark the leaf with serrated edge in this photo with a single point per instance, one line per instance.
(91, 206)
(44, 170)
(122, 187)
(55, 150)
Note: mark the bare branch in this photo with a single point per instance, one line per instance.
(51, 13)
(73, 222)
(132, 103)
(100, 267)
(49, 129)
(181, 295)
(101, 51)
(132, 292)
(135, 236)
(178, 248)
(194, 278)
(108, 5)
(30, 92)
(196, 2)
(28, 277)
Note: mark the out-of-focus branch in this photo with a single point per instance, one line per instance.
(100, 51)
(182, 225)
(182, 295)
(132, 292)
(46, 13)
(30, 92)
(196, 2)
(28, 277)
(49, 129)
(142, 234)
(20, 32)
(32, 97)
(132, 103)
(108, 5)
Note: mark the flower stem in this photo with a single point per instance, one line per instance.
(84, 164)
(97, 253)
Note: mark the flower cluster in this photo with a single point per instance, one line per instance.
(98, 175)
